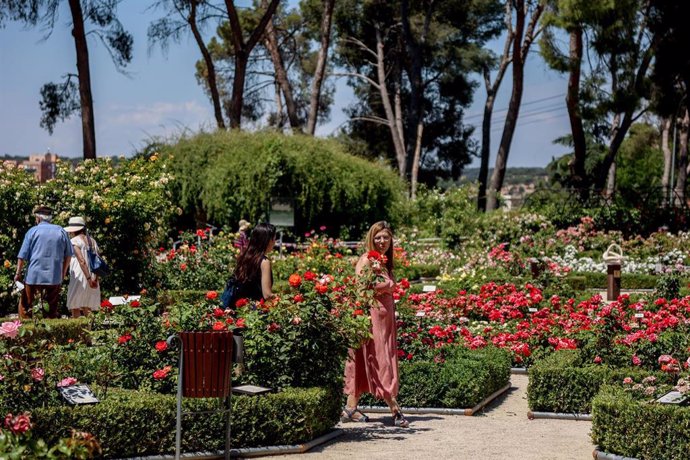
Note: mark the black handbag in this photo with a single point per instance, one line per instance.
(96, 263)
(227, 298)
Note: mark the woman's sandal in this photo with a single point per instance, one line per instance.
(349, 416)
(400, 421)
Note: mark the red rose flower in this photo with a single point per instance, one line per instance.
(239, 322)
(219, 326)
(358, 312)
(161, 346)
(218, 312)
(124, 339)
(211, 295)
(374, 255)
(273, 327)
(310, 276)
(134, 304)
(160, 374)
(241, 303)
(295, 280)
(183, 266)
(106, 305)
(298, 298)
(321, 288)
(18, 424)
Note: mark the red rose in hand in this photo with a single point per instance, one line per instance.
(374, 255)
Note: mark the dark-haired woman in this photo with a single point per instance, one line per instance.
(253, 271)
(373, 368)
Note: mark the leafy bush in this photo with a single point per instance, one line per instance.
(228, 176)
(668, 286)
(462, 381)
(590, 280)
(560, 383)
(625, 426)
(132, 423)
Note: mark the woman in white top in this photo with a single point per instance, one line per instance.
(84, 291)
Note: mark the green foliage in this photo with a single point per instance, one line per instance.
(668, 286)
(626, 426)
(19, 446)
(127, 210)
(591, 280)
(58, 331)
(561, 383)
(227, 176)
(133, 423)
(463, 380)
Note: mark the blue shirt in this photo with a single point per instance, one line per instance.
(45, 248)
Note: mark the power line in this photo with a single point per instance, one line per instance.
(530, 122)
(536, 101)
(555, 108)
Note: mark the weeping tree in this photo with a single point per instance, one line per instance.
(95, 18)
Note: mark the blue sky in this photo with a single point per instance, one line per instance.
(160, 97)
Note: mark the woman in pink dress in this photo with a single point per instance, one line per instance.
(373, 368)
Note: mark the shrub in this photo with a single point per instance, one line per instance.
(628, 427)
(58, 331)
(560, 383)
(131, 423)
(591, 280)
(227, 176)
(462, 381)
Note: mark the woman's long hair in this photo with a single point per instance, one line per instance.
(379, 226)
(249, 261)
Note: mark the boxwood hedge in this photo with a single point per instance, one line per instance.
(628, 427)
(560, 383)
(462, 381)
(132, 423)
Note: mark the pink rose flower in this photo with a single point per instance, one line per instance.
(37, 373)
(10, 329)
(628, 381)
(636, 361)
(67, 382)
(18, 424)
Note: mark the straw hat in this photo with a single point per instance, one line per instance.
(75, 224)
(244, 225)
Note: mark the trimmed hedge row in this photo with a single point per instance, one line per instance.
(559, 383)
(624, 426)
(465, 379)
(59, 331)
(589, 280)
(130, 423)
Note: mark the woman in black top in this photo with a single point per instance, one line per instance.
(253, 271)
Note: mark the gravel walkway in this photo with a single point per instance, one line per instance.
(501, 432)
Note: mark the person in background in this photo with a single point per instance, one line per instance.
(373, 368)
(84, 291)
(253, 271)
(46, 251)
(242, 238)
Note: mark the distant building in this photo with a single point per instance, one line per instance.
(42, 166)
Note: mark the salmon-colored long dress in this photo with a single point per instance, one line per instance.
(373, 368)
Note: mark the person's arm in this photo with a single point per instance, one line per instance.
(91, 278)
(361, 263)
(266, 279)
(68, 253)
(20, 267)
(65, 266)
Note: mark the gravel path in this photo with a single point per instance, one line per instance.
(501, 432)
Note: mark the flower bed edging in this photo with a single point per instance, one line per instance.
(248, 452)
(441, 410)
(558, 416)
(519, 371)
(600, 455)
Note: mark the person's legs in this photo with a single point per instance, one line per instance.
(86, 311)
(351, 413)
(25, 301)
(398, 417)
(76, 312)
(51, 295)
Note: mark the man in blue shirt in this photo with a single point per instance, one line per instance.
(47, 251)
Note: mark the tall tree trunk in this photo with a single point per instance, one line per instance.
(88, 124)
(237, 100)
(398, 144)
(681, 181)
(242, 51)
(326, 20)
(486, 150)
(416, 160)
(271, 42)
(611, 180)
(520, 51)
(210, 67)
(668, 158)
(491, 91)
(572, 101)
